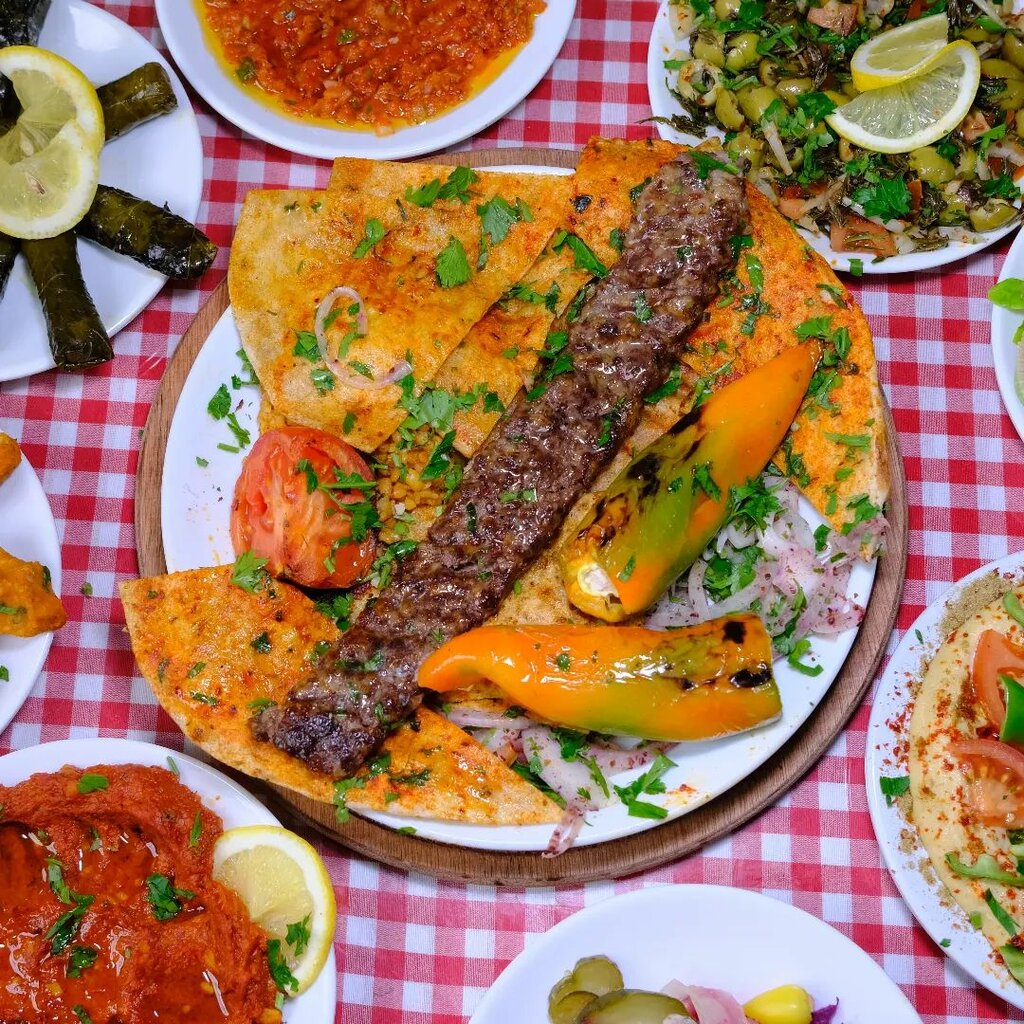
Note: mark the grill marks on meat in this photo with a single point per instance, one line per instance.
(676, 251)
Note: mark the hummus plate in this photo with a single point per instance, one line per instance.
(233, 804)
(886, 757)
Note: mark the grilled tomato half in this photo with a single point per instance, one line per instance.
(304, 502)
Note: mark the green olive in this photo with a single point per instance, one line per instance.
(993, 67)
(850, 90)
(710, 47)
(994, 214)
(976, 34)
(967, 164)
(726, 10)
(1013, 49)
(790, 88)
(746, 149)
(742, 51)
(954, 214)
(932, 167)
(1011, 97)
(728, 112)
(699, 82)
(755, 100)
(768, 71)
(837, 98)
(1018, 122)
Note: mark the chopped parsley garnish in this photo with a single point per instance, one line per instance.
(62, 932)
(563, 661)
(650, 783)
(323, 379)
(373, 234)
(205, 698)
(637, 190)
(196, 669)
(705, 164)
(249, 572)
(262, 643)
(246, 71)
(887, 200)
(616, 239)
(306, 346)
(893, 786)
(642, 309)
(584, 257)
(795, 659)
(703, 481)
(498, 215)
(298, 935)
(196, 831)
(668, 388)
(165, 898)
(452, 266)
(81, 959)
(628, 569)
(91, 783)
(280, 972)
(528, 494)
(341, 788)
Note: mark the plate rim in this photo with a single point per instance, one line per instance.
(537, 944)
(878, 731)
(1002, 323)
(908, 263)
(109, 750)
(614, 858)
(24, 687)
(326, 143)
(157, 281)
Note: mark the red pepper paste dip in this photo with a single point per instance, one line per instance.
(379, 64)
(108, 911)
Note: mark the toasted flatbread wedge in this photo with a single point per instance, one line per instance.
(10, 456)
(212, 652)
(292, 248)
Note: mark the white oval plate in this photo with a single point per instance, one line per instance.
(195, 513)
(886, 754)
(664, 46)
(697, 934)
(235, 806)
(27, 530)
(161, 161)
(1004, 351)
(183, 30)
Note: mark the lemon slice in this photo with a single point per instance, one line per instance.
(898, 54)
(285, 886)
(917, 112)
(52, 92)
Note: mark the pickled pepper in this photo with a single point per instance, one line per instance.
(657, 517)
(696, 683)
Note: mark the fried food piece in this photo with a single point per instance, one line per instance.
(10, 456)
(28, 605)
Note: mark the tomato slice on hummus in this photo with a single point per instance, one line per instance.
(302, 502)
(995, 655)
(995, 791)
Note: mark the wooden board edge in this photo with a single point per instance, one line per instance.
(617, 858)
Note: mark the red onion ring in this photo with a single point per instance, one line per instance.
(342, 372)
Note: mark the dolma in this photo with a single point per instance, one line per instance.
(147, 233)
(77, 337)
(136, 98)
(21, 21)
(8, 251)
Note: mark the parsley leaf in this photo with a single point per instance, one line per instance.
(165, 899)
(452, 266)
(248, 572)
(888, 200)
(372, 235)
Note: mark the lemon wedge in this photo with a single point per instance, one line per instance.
(49, 160)
(285, 886)
(898, 54)
(916, 112)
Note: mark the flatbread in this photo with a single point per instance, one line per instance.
(946, 708)
(293, 247)
(208, 649)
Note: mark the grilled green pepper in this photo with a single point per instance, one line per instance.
(147, 233)
(77, 337)
(694, 683)
(662, 511)
(8, 252)
(136, 98)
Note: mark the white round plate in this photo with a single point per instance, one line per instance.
(195, 514)
(1004, 351)
(696, 934)
(27, 530)
(235, 806)
(664, 46)
(182, 28)
(161, 161)
(886, 755)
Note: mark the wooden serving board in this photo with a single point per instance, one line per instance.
(620, 857)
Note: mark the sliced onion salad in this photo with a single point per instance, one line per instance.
(353, 380)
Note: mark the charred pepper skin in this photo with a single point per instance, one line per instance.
(550, 447)
(660, 513)
(696, 683)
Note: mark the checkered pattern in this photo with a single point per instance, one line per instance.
(414, 950)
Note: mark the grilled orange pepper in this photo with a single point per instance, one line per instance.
(694, 683)
(664, 508)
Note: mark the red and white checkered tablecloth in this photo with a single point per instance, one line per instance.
(409, 948)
